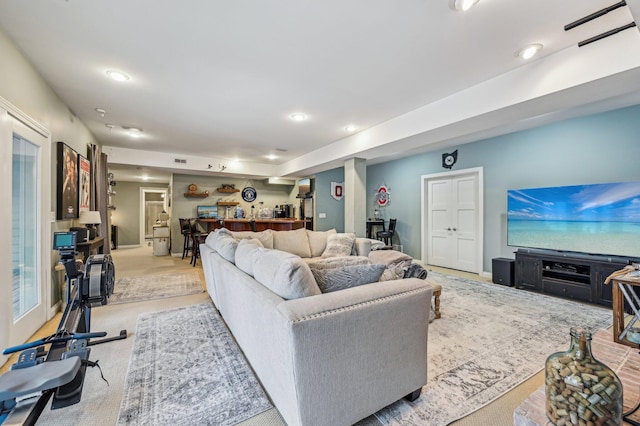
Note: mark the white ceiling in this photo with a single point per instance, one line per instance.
(219, 79)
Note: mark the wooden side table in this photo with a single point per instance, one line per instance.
(623, 290)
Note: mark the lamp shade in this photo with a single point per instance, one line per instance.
(90, 217)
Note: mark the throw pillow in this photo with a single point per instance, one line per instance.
(294, 242)
(247, 249)
(210, 241)
(339, 262)
(286, 274)
(226, 246)
(318, 241)
(334, 279)
(339, 245)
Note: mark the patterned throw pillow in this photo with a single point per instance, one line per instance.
(339, 245)
(334, 279)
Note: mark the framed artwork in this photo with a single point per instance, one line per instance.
(67, 184)
(84, 175)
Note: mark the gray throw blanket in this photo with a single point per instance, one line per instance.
(416, 271)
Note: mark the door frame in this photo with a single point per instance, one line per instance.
(12, 120)
(424, 209)
(143, 192)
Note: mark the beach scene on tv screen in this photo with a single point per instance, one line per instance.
(598, 219)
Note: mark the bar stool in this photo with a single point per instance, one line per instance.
(197, 238)
(185, 230)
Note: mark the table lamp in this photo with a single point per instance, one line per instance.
(90, 218)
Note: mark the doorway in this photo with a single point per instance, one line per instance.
(152, 202)
(26, 251)
(452, 219)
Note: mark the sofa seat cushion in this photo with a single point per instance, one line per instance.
(286, 274)
(340, 244)
(245, 254)
(318, 241)
(294, 242)
(340, 278)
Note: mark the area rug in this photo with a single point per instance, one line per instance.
(186, 369)
(159, 286)
(490, 339)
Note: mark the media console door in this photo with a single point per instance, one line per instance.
(528, 272)
(572, 277)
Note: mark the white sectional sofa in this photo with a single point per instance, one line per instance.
(325, 358)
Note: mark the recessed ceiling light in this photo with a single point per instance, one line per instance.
(298, 116)
(463, 5)
(109, 126)
(117, 75)
(529, 51)
(351, 128)
(134, 132)
(272, 157)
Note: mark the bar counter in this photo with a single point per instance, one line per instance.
(261, 224)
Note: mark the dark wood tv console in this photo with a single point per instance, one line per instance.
(571, 275)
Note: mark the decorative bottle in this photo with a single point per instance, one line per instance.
(580, 389)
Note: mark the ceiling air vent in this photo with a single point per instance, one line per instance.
(180, 160)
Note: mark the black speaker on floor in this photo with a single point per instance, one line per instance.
(503, 270)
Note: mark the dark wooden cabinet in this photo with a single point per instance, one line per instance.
(527, 272)
(570, 275)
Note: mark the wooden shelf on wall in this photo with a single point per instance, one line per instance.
(227, 190)
(196, 194)
(228, 203)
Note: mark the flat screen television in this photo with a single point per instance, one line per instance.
(207, 212)
(599, 219)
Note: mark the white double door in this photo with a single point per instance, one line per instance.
(453, 232)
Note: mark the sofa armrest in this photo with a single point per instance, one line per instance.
(357, 350)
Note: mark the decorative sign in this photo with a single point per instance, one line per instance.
(337, 189)
(249, 194)
(383, 196)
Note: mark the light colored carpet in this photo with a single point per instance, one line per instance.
(159, 286)
(186, 369)
(489, 339)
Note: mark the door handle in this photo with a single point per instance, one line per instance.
(454, 229)
(448, 229)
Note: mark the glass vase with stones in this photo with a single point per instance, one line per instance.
(580, 389)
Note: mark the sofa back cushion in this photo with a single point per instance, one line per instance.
(286, 274)
(339, 245)
(226, 245)
(265, 237)
(318, 241)
(245, 254)
(340, 278)
(294, 242)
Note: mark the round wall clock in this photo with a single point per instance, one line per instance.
(192, 187)
(448, 160)
(249, 194)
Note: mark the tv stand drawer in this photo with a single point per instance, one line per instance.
(566, 289)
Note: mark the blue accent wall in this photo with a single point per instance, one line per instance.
(325, 203)
(594, 149)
